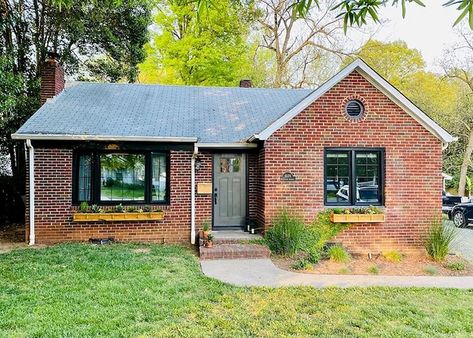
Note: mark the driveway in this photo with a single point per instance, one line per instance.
(463, 243)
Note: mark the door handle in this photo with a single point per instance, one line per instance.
(215, 196)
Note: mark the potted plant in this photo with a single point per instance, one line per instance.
(209, 241)
(204, 233)
(370, 214)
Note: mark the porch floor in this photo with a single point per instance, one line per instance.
(227, 236)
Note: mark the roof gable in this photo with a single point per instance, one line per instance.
(376, 80)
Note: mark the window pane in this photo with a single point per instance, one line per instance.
(122, 177)
(230, 164)
(158, 188)
(367, 177)
(338, 177)
(85, 173)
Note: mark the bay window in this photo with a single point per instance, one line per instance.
(354, 176)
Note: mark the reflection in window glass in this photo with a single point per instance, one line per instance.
(85, 174)
(122, 177)
(158, 187)
(230, 164)
(338, 176)
(367, 177)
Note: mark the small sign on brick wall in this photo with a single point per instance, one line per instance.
(204, 188)
(287, 176)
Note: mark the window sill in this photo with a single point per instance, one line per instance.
(357, 218)
(118, 216)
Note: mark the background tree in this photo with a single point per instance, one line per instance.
(210, 50)
(74, 29)
(298, 43)
(458, 65)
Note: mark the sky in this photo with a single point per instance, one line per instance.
(428, 29)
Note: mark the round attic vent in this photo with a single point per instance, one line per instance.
(354, 109)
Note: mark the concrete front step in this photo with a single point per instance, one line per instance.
(233, 237)
(234, 251)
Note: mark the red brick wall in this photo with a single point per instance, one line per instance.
(413, 159)
(53, 205)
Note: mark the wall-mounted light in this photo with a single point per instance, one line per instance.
(198, 164)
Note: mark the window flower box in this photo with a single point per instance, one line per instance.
(118, 216)
(357, 218)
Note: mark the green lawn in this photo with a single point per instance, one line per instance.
(83, 290)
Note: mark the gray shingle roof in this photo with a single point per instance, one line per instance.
(212, 114)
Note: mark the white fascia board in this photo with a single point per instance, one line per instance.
(235, 145)
(112, 138)
(375, 79)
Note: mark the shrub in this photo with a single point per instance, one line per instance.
(373, 269)
(84, 207)
(286, 234)
(392, 256)
(456, 266)
(338, 254)
(344, 271)
(302, 264)
(206, 225)
(430, 269)
(119, 208)
(438, 240)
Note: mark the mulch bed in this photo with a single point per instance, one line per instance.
(410, 265)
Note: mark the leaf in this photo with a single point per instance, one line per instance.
(460, 18)
(420, 3)
(403, 5)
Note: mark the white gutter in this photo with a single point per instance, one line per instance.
(194, 155)
(32, 192)
(236, 145)
(66, 137)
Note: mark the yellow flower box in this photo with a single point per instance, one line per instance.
(118, 216)
(357, 218)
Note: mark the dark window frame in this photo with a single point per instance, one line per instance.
(96, 177)
(352, 176)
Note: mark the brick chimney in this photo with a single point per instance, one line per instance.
(52, 77)
(246, 84)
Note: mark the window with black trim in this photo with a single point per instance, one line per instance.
(354, 176)
(121, 177)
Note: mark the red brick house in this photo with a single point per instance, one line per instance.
(232, 156)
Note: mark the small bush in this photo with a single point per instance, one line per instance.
(84, 207)
(338, 254)
(456, 266)
(286, 234)
(392, 256)
(430, 269)
(438, 240)
(373, 269)
(302, 264)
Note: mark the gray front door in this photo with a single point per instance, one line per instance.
(229, 190)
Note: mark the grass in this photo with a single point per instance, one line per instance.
(455, 266)
(430, 269)
(392, 256)
(80, 290)
(338, 254)
(373, 269)
(438, 240)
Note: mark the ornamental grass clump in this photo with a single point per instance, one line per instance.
(338, 254)
(438, 240)
(286, 234)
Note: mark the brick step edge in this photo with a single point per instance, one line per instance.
(234, 251)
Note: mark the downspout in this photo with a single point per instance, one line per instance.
(194, 155)
(32, 191)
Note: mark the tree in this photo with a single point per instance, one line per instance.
(458, 65)
(297, 43)
(209, 51)
(74, 29)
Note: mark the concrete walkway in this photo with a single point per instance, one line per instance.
(262, 272)
(463, 242)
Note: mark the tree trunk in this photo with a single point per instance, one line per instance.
(465, 164)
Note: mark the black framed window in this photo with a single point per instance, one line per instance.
(354, 177)
(102, 177)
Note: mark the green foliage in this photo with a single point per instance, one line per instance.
(372, 210)
(206, 225)
(392, 256)
(344, 271)
(147, 208)
(455, 266)
(132, 209)
(84, 207)
(286, 234)
(430, 269)
(96, 209)
(303, 264)
(338, 254)
(211, 50)
(374, 269)
(119, 208)
(438, 240)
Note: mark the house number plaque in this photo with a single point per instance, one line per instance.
(287, 176)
